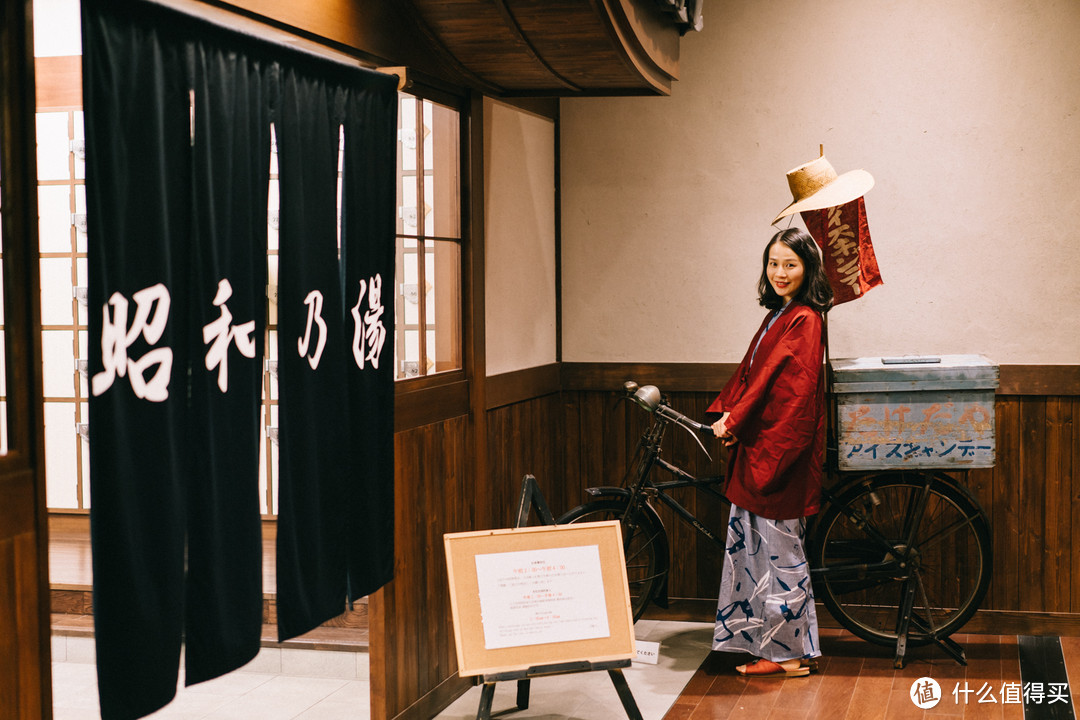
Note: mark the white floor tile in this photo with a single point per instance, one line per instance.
(191, 704)
(363, 665)
(67, 713)
(319, 663)
(329, 710)
(231, 684)
(81, 650)
(58, 648)
(281, 698)
(265, 691)
(267, 661)
(356, 692)
(75, 687)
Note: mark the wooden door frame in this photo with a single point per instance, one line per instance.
(27, 688)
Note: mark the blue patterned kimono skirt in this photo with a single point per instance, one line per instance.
(766, 603)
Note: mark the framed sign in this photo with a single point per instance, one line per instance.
(536, 596)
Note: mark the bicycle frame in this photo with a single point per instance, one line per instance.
(685, 479)
(647, 457)
(851, 563)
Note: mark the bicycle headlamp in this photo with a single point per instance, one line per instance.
(648, 397)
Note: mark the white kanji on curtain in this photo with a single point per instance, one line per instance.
(151, 317)
(369, 333)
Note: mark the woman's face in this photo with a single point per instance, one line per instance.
(785, 271)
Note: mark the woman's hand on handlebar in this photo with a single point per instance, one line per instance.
(720, 430)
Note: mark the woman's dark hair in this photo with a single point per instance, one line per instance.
(815, 290)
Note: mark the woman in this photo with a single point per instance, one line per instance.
(773, 421)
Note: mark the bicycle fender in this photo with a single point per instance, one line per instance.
(611, 491)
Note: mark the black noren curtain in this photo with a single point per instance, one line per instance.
(178, 121)
(314, 414)
(139, 249)
(367, 216)
(229, 185)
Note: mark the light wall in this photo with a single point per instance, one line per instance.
(519, 222)
(967, 114)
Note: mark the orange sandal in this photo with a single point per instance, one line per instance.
(768, 668)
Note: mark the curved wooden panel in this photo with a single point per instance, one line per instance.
(556, 47)
(578, 40)
(504, 48)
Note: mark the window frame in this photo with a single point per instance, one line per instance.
(460, 105)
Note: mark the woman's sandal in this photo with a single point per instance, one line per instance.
(768, 668)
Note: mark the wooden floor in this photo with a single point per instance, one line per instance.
(857, 681)
(69, 552)
(71, 580)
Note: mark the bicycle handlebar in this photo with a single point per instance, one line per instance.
(649, 398)
(686, 422)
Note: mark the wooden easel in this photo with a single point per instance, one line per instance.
(524, 678)
(533, 499)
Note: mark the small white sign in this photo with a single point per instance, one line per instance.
(647, 652)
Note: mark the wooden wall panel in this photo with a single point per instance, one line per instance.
(411, 628)
(9, 630)
(1057, 537)
(594, 436)
(23, 651)
(1032, 485)
(1003, 499)
(581, 437)
(25, 668)
(1072, 432)
(519, 444)
(1032, 505)
(31, 654)
(600, 435)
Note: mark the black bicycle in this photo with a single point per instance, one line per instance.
(898, 557)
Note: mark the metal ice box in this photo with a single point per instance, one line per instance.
(915, 412)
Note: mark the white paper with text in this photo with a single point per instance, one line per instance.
(535, 597)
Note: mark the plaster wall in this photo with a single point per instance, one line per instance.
(519, 222)
(967, 114)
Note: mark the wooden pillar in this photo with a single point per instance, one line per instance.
(25, 668)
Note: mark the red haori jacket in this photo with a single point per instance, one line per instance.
(777, 407)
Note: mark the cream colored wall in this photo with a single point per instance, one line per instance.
(966, 113)
(519, 222)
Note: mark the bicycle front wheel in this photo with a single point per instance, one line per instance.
(644, 548)
(893, 534)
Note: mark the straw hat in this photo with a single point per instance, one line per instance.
(815, 185)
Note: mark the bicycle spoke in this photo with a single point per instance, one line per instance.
(645, 567)
(945, 532)
(643, 547)
(870, 531)
(648, 578)
(906, 517)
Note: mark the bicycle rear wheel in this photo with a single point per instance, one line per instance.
(644, 547)
(901, 531)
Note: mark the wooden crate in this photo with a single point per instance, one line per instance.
(915, 412)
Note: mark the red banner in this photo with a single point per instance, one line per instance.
(844, 238)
